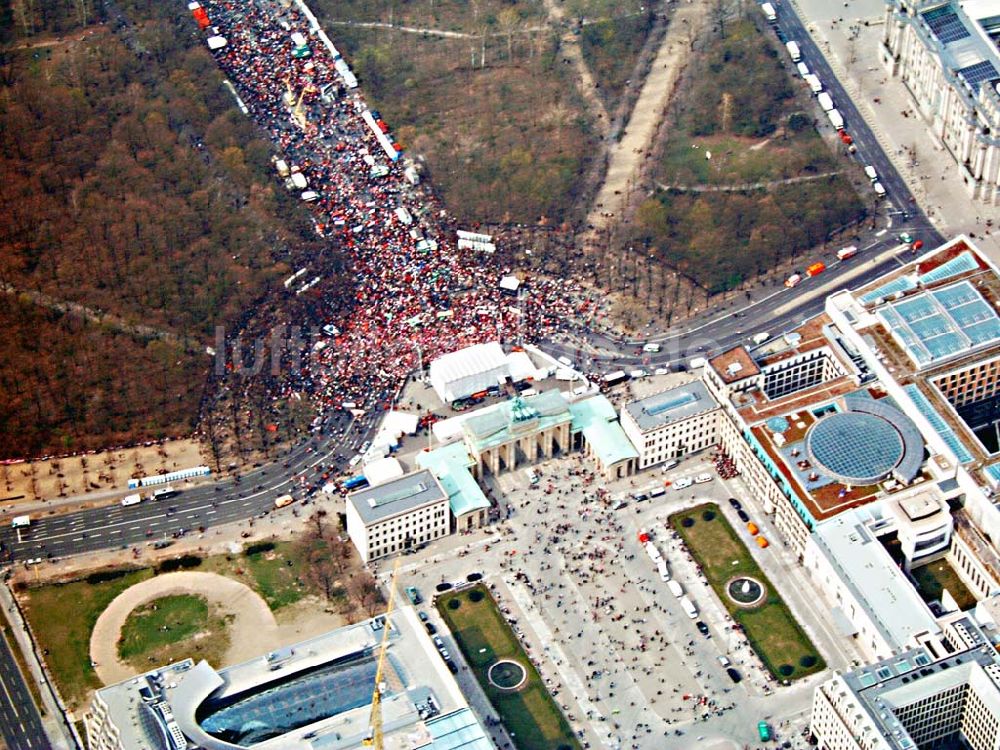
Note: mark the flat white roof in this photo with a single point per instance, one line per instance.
(878, 585)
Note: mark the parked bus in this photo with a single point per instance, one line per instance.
(164, 493)
(793, 51)
(355, 482)
(20, 522)
(614, 378)
(768, 10)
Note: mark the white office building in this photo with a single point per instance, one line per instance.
(313, 695)
(397, 515)
(672, 423)
(946, 55)
(919, 698)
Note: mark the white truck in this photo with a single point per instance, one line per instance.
(768, 10)
(20, 522)
(133, 499)
(803, 69)
(835, 119)
(688, 606)
(793, 51)
(815, 85)
(847, 252)
(760, 338)
(825, 101)
(675, 588)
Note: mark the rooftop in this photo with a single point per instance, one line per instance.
(878, 584)
(734, 365)
(313, 695)
(396, 496)
(672, 405)
(915, 675)
(451, 465)
(500, 423)
(597, 419)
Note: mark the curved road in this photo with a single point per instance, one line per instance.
(228, 500)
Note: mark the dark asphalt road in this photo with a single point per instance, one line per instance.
(20, 724)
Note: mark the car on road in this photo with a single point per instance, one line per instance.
(355, 460)
(413, 595)
(638, 373)
(744, 516)
(683, 483)
(703, 478)
(734, 674)
(431, 630)
(364, 447)
(735, 504)
(703, 628)
(661, 371)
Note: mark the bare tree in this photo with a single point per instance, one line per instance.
(364, 590)
(24, 12)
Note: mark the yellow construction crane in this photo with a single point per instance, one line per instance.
(374, 736)
(298, 113)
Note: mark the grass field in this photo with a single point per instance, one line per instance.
(770, 627)
(65, 631)
(934, 577)
(275, 574)
(62, 617)
(172, 628)
(530, 715)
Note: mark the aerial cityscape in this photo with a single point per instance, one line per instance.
(500, 374)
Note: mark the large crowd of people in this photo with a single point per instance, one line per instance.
(415, 294)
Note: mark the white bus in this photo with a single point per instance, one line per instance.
(165, 493)
(20, 522)
(793, 51)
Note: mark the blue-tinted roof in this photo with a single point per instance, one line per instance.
(945, 24)
(450, 464)
(993, 472)
(937, 325)
(902, 284)
(981, 72)
(859, 449)
(959, 264)
(937, 422)
(777, 424)
(458, 731)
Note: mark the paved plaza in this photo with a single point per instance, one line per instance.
(624, 661)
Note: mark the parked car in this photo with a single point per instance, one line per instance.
(413, 595)
(744, 516)
(683, 483)
(702, 478)
(735, 503)
(703, 628)
(734, 674)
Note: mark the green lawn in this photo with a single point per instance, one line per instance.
(62, 617)
(531, 715)
(275, 574)
(934, 577)
(162, 622)
(772, 630)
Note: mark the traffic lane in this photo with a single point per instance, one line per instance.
(20, 723)
(896, 188)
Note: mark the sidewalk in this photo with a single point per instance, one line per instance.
(933, 175)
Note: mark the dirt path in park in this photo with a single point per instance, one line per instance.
(627, 156)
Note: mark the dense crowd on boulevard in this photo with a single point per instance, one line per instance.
(415, 294)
